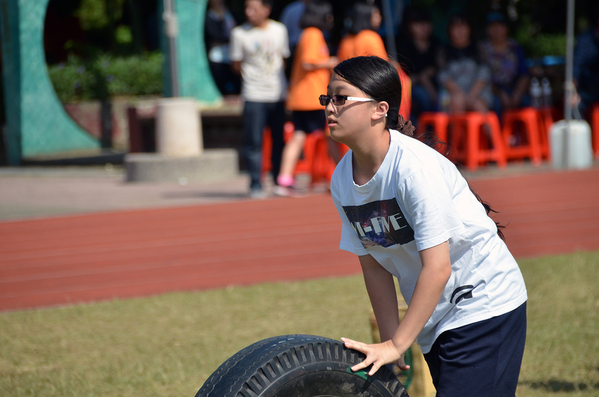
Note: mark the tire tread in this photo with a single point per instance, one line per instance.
(250, 372)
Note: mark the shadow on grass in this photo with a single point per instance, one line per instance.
(556, 385)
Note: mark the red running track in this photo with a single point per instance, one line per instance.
(65, 260)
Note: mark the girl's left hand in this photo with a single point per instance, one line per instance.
(377, 355)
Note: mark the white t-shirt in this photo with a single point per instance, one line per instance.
(417, 200)
(261, 52)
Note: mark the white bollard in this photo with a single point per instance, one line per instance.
(571, 147)
(178, 128)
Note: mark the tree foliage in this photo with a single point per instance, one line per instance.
(99, 14)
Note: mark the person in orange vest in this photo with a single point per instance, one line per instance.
(310, 74)
(362, 40)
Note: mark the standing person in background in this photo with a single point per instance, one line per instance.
(290, 17)
(462, 73)
(258, 51)
(505, 58)
(310, 75)
(217, 32)
(586, 64)
(362, 40)
(420, 49)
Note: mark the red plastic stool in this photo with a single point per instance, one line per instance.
(322, 166)
(470, 140)
(315, 159)
(595, 128)
(305, 163)
(530, 146)
(438, 121)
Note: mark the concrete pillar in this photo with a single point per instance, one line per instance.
(178, 128)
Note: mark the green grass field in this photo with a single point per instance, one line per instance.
(168, 345)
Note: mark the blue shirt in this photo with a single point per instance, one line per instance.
(586, 61)
(290, 17)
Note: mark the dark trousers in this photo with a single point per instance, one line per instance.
(480, 359)
(257, 116)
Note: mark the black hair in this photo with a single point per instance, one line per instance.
(496, 17)
(268, 3)
(378, 79)
(418, 14)
(360, 17)
(458, 18)
(316, 14)
(471, 51)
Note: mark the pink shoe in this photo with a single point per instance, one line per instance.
(285, 180)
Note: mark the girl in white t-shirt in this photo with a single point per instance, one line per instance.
(407, 212)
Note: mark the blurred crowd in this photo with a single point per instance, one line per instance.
(281, 67)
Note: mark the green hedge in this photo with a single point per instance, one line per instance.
(543, 44)
(108, 76)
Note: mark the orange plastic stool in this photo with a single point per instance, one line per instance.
(530, 148)
(438, 121)
(469, 140)
(595, 128)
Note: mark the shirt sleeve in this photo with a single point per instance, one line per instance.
(429, 208)
(522, 69)
(285, 36)
(349, 239)
(235, 48)
(581, 54)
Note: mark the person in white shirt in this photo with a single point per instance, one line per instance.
(258, 49)
(407, 212)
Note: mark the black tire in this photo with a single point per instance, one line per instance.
(298, 366)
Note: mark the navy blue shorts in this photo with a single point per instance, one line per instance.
(480, 359)
(309, 120)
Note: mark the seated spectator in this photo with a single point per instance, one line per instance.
(505, 58)
(586, 65)
(462, 74)
(217, 30)
(310, 75)
(418, 51)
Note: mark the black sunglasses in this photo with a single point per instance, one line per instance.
(339, 100)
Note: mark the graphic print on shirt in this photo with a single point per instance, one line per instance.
(379, 223)
(266, 51)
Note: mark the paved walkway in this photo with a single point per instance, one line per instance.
(80, 235)
(31, 192)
